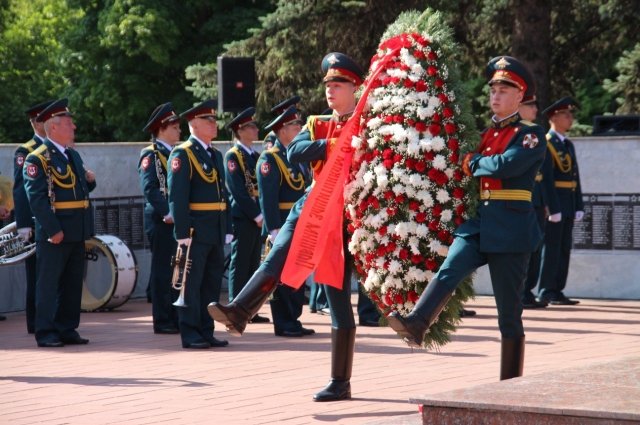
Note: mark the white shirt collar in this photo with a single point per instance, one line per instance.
(165, 144)
(61, 148)
(558, 135)
(246, 149)
(204, 145)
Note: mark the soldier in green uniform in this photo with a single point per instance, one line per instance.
(277, 110)
(57, 186)
(281, 184)
(545, 203)
(559, 235)
(504, 231)
(164, 126)
(22, 212)
(313, 144)
(198, 204)
(240, 169)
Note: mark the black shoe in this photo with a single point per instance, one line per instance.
(563, 300)
(259, 319)
(313, 310)
(200, 345)
(466, 313)
(289, 334)
(215, 342)
(369, 323)
(307, 331)
(335, 391)
(74, 340)
(533, 304)
(166, 330)
(31, 331)
(50, 344)
(411, 330)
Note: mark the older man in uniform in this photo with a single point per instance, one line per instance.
(281, 184)
(559, 235)
(313, 144)
(22, 211)
(240, 169)
(164, 126)
(545, 203)
(504, 232)
(198, 203)
(57, 186)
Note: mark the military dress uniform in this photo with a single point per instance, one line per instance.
(199, 206)
(280, 185)
(152, 170)
(313, 144)
(270, 139)
(240, 170)
(559, 236)
(22, 212)
(58, 194)
(503, 233)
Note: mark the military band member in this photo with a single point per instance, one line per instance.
(545, 202)
(240, 169)
(57, 186)
(280, 185)
(504, 232)
(277, 110)
(313, 144)
(199, 207)
(164, 126)
(22, 212)
(559, 235)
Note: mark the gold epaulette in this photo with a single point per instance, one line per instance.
(549, 137)
(186, 145)
(238, 155)
(527, 123)
(29, 145)
(147, 149)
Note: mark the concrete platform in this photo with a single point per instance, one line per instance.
(129, 376)
(605, 393)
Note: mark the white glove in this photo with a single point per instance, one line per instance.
(185, 241)
(579, 215)
(228, 238)
(555, 218)
(25, 233)
(272, 235)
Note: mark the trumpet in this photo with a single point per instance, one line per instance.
(267, 248)
(181, 264)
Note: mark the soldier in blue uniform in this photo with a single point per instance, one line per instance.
(240, 168)
(198, 204)
(164, 126)
(559, 235)
(22, 212)
(545, 203)
(57, 186)
(281, 184)
(313, 144)
(504, 231)
(270, 139)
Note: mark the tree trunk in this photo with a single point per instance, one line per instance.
(531, 43)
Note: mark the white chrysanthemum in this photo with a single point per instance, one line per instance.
(398, 188)
(442, 196)
(413, 148)
(416, 180)
(414, 244)
(449, 172)
(438, 144)
(382, 181)
(374, 123)
(402, 230)
(397, 73)
(439, 162)
(446, 216)
(422, 231)
(368, 177)
(417, 69)
(394, 267)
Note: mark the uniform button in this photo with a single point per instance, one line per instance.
(486, 185)
(486, 202)
(488, 149)
(495, 134)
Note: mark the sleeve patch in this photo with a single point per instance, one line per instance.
(530, 141)
(32, 170)
(175, 164)
(146, 162)
(231, 165)
(20, 160)
(265, 168)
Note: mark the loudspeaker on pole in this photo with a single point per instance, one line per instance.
(236, 83)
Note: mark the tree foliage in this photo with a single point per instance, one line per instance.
(626, 87)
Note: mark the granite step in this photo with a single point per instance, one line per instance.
(603, 394)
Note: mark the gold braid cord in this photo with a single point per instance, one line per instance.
(252, 188)
(295, 183)
(564, 163)
(209, 177)
(161, 164)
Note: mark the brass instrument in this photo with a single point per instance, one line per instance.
(267, 249)
(13, 248)
(181, 264)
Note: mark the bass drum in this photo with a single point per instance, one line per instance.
(110, 274)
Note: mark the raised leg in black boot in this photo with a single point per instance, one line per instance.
(342, 346)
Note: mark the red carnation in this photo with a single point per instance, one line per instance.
(403, 254)
(443, 98)
(382, 231)
(416, 259)
(398, 298)
(421, 127)
(413, 296)
(408, 83)
(453, 144)
(388, 163)
(388, 300)
(409, 163)
(435, 118)
(414, 205)
(421, 166)
(381, 251)
(454, 157)
(458, 221)
(436, 210)
(387, 153)
(397, 157)
(439, 83)
(432, 71)
(428, 156)
(450, 128)
(447, 112)
(400, 198)
(457, 175)
(430, 264)
(421, 86)
(434, 129)
(391, 211)
(387, 119)
(391, 246)
(432, 55)
(457, 193)
(398, 119)
(460, 209)
(433, 225)
(421, 217)
(411, 122)
(444, 235)
(350, 228)
(419, 54)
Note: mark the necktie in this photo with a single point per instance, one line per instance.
(211, 152)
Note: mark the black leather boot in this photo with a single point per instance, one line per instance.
(413, 327)
(237, 314)
(342, 345)
(511, 358)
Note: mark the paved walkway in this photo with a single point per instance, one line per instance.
(128, 375)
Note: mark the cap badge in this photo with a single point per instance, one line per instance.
(333, 59)
(502, 63)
